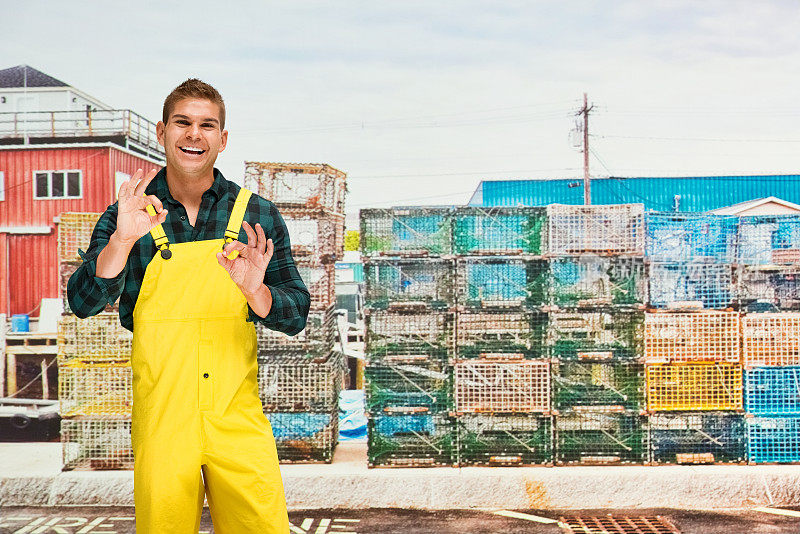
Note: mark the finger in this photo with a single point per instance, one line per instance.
(155, 201)
(270, 249)
(262, 239)
(251, 235)
(127, 186)
(225, 262)
(236, 245)
(143, 184)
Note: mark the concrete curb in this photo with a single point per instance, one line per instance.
(347, 483)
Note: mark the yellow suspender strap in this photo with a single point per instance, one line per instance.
(237, 215)
(157, 231)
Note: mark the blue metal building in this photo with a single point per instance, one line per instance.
(691, 193)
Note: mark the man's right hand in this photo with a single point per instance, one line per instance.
(133, 221)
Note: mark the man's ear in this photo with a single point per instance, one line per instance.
(223, 140)
(160, 133)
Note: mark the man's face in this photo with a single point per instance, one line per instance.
(192, 137)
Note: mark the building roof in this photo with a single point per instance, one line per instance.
(760, 206)
(26, 76)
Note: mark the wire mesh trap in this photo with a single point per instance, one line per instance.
(769, 239)
(504, 440)
(686, 337)
(682, 237)
(88, 388)
(317, 338)
(593, 281)
(501, 334)
(776, 287)
(302, 437)
(97, 338)
(710, 284)
(598, 386)
(410, 440)
(499, 230)
(96, 443)
(391, 335)
(485, 386)
(595, 335)
(320, 280)
(298, 185)
(691, 438)
(75, 232)
(315, 235)
(408, 388)
(404, 231)
(771, 339)
(773, 439)
(409, 283)
(299, 384)
(501, 282)
(600, 438)
(616, 229)
(773, 390)
(694, 386)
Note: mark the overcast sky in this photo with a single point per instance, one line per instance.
(419, 101)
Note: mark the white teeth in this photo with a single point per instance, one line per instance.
(192, 149)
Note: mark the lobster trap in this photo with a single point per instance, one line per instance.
(773, 285)
(490, 386)
(406, 231)
(410, 440)
(75, 232)
(595, 335)
(96, 443)
(594, 281)
(769, 239)
(674, 284)
(686, 337)
(316, 339)
(695, 438)
(65, 271)
(598, 386)
(498, 282)
(614, 229)
(683, 237)
(694, 386)
(300, 384)
(499, 230)
(298, 185)
(404, 388)
(600, 438)
(407, 337)
(773, 390)
(315, 234)
(97, 338)
(320, 280)
(302, 437)
(771, 339)
(88, 388)
(773, 439)
(501, 334)
(409, 283)
(504, 440)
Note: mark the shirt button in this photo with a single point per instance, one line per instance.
(183, 217)
(205, 375)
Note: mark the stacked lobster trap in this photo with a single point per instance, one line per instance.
(94, 371)
(409, 298)
(300, 376)
(596, 298)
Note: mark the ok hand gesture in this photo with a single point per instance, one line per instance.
(133, 220)
(248, 268)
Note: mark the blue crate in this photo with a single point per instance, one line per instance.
(673, 237)
(773, 390)
(478, 230)
(711, 284)
(773, 439)
(766, 240)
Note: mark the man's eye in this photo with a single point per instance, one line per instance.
(182, 122)
(207, 125)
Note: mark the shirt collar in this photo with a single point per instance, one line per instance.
(159, 187)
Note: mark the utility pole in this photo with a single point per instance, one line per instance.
(587, 183)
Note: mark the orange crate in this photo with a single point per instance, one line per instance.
(689, 337)
(771, 339)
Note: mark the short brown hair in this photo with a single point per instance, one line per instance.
(194, 88)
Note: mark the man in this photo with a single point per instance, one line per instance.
(192, 276)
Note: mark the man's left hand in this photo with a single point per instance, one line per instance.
(248, 268)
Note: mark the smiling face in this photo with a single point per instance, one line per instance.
(192, 137)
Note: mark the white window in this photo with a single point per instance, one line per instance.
(57, 184)
(119, 177)
(2, 186)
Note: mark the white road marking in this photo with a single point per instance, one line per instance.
(777, 511)
(527, 517)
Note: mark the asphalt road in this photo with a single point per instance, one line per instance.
(118, 520)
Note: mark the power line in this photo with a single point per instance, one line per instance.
(719, 139)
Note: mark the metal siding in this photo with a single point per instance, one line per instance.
(33, 271)
(127, 163)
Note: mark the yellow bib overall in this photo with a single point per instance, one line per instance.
(195, 398)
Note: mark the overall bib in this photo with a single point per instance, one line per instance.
(195, 398)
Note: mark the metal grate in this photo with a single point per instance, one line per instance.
(98, 338)
(685, 337)
(393, 333)
(773, 439)
(74, 232)
(618, 524)
(694, 386)
(616, 229)
(305, 437)
(398, 388)
(96, 443)
(412, 440)
(773, 390)
(300, 384)
(771, 339)
(592, 281)
(599, 386)
(514, 334)
(710, 284)
(483, 386)
(679, 237)
(769, 239)
(315, 234)
(511, 440)
(777, 286)
(501, 282)
(594, 335)
(95, 388)
(298, 185)
(498, 230)
(397, 283)
(600, 438)
(397, 231)
(715, 437)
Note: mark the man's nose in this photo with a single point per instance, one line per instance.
(193, 131)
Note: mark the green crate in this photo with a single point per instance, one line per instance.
(598, 385)
(601, 438)
(413, 440)
(404, 388)
(495, 440)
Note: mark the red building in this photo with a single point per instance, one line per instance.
(60, 151)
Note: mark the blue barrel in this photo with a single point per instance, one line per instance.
(20, 322)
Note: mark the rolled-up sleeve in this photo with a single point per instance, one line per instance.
(87, 293)
(291, 299)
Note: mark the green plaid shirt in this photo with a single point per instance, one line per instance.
(89, 294)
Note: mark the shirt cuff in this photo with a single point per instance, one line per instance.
(110, 287)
